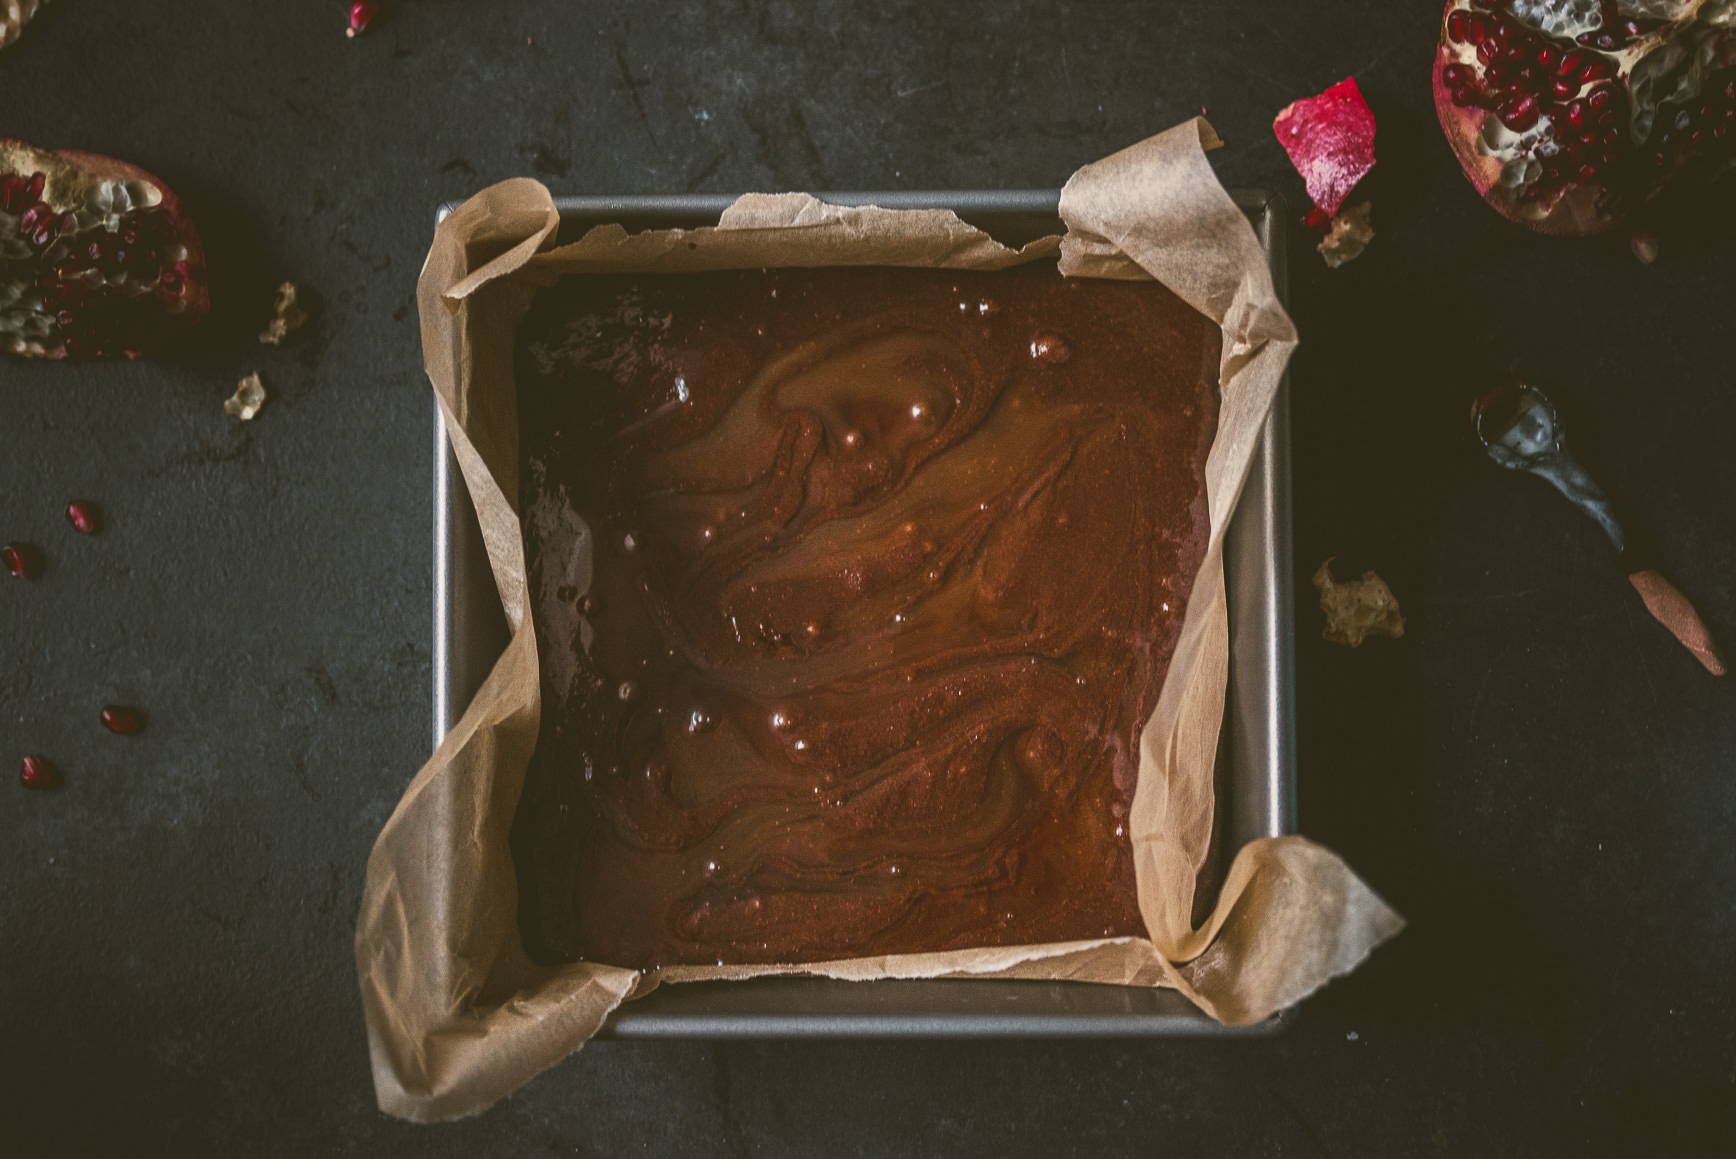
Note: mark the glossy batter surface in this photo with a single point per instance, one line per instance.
(852, 589)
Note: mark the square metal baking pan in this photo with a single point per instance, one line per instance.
(1256, 764)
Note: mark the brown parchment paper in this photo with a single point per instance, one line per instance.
(457, 1016)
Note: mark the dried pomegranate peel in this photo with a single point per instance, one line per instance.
(249, 396)
(1356, 609)
(1350, 234)
(288, 316)
(96, 257)
(1330, 140)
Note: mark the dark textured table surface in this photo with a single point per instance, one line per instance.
(1536, 775)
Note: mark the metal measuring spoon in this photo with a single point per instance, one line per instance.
(1521, 429)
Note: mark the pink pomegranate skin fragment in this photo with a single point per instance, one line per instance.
(1330, 139)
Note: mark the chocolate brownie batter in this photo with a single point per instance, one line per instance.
(852, 590)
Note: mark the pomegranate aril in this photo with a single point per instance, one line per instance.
(1521, 115)
(362, 13)
(21, 560)
(121, 720)
(82, 515)
(36, 773)
(1458, 25)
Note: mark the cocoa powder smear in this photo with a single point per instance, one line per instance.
(852, 589)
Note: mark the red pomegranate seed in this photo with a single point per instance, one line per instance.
(36, 774)
(121, 720)
(1317, 220)
(362, 13)
(82, 515)
(1522, 114)
(21, 560)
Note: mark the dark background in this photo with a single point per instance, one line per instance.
(1536, 775)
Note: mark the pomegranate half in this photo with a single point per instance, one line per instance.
(1569, 115)
(96, 257)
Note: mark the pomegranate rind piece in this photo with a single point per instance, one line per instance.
(1356, 609)
(1350, 234)
(249, 396)
(288, 316)
(91, 199)
(1330, 140)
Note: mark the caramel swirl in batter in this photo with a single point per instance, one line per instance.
(853, 589)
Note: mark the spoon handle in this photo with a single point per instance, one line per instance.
(1672, 609)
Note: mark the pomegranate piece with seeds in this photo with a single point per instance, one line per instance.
(1569, 115)
(21, 560)
(96, 257)
(36, 774)
(83, 517)
(1330, 139)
